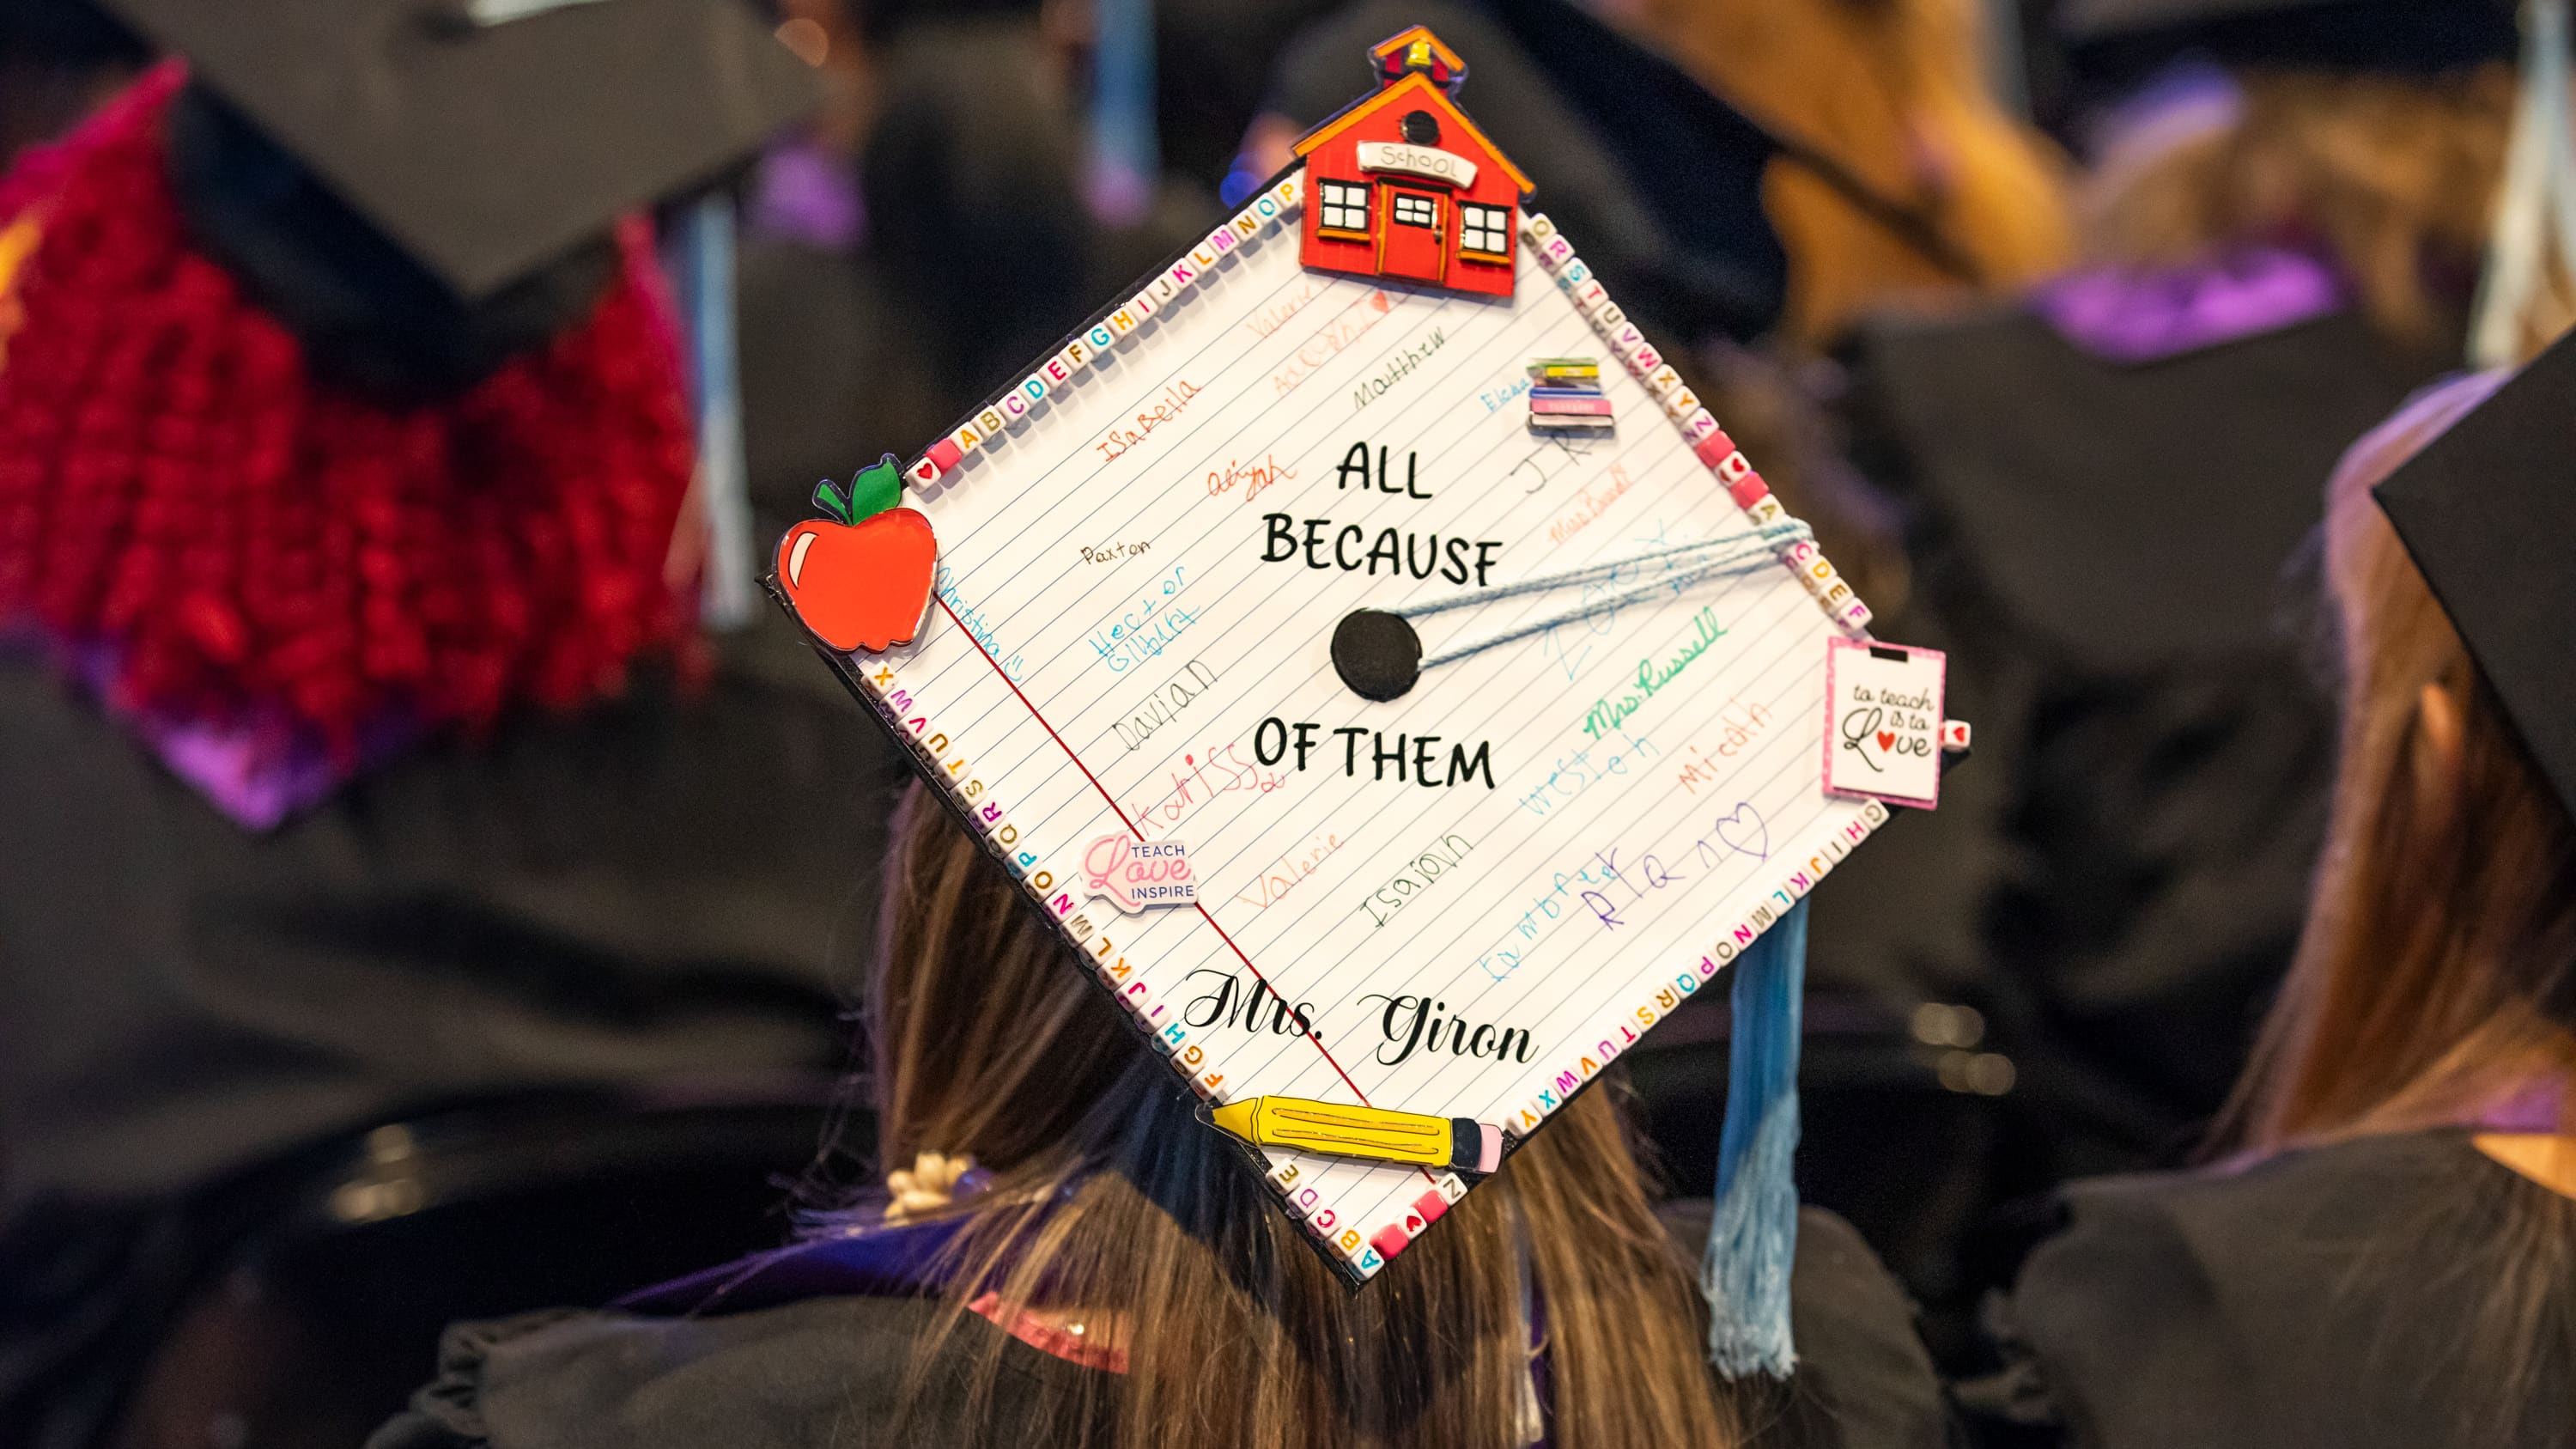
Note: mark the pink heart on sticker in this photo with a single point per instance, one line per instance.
(1887, 739)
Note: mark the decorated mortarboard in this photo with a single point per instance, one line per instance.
(2487, 511)
(486, 138)
(1395, 762)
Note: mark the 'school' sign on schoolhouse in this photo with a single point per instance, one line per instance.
(1491, 741)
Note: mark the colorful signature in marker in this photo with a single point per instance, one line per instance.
(1253, 478)
(1608, 713)
(1174, 401)
(1146, 630)
(1204, 776)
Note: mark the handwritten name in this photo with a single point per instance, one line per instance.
(1175, 400)
(1494, 398)
(1329, 342)
(1608, 714)
(1192, 785)
(1278, 314)
(1742, 724)
(1284, 873)
(1113, 552)
(1397, 369)
(1176, 695)
(1255, 479)
(1415, 878)
(979, 628)
(1593, 500)
(1571, 775)
(1146, 630)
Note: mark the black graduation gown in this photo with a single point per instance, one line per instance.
(2326, 1297)
(2112, 553)
(650, 889)
(822, 1363)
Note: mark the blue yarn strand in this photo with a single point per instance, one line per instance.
(1753, 1236)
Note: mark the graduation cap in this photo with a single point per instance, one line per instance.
(487, 138)
(1360, 822)
(2113, 39)
(2488, 510)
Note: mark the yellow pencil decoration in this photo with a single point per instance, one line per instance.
(1373, 1132)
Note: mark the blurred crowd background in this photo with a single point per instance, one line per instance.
(2051, 315)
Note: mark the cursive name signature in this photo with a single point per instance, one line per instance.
(1608, 712)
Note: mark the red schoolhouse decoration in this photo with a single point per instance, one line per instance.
(1403, 186)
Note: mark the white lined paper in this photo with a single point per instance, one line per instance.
(1116, 542)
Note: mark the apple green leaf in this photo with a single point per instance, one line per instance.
(834, 504)
(876, 489)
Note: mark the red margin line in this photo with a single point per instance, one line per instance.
(1041, 719)
(1131, 828)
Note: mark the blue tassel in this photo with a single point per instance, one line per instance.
(1754, 1235)
(706, 245)
(1126, 159)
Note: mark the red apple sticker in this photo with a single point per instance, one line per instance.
(860, 578)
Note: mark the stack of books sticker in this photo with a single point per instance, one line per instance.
(1566, 396)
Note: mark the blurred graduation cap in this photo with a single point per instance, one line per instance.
(2115, 40)
(419, 187)
(2488, 510)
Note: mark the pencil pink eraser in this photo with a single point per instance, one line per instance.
(1489, 1147)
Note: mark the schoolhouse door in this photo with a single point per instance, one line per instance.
(1413, 235)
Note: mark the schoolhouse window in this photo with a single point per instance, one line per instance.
(1485, 230)
(1411, 210)
(1344, 206)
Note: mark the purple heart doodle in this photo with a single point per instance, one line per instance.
(1741, 825)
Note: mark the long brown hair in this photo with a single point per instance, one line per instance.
(2437, 973)
(2436, 979)
(988, 1039)
(2393, 177)
(1887, 100)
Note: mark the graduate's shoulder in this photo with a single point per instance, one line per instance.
(825, 1370)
